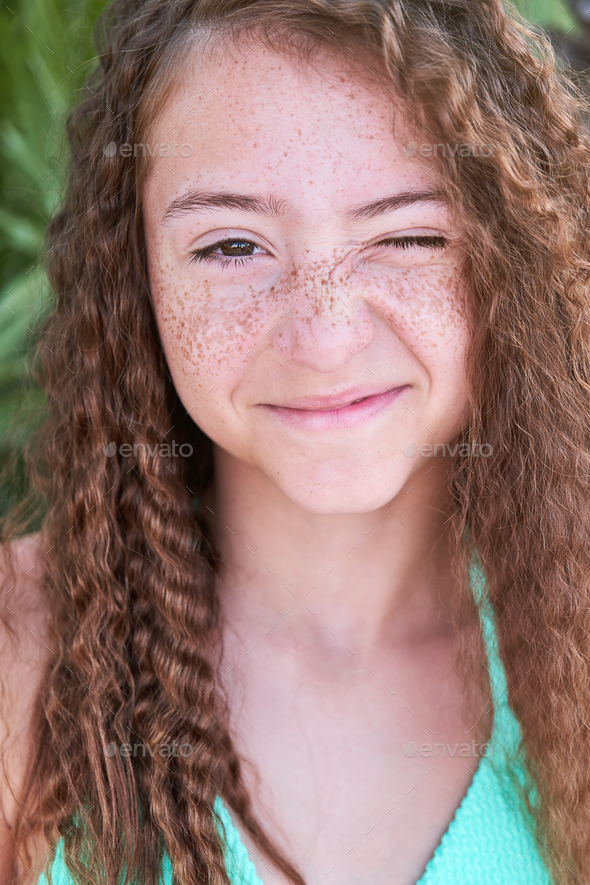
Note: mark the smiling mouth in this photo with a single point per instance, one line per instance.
(332, 403)
(335, 412)
(336, 408)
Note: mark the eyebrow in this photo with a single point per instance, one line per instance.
(273, 207)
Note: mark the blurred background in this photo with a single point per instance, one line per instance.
(46, 51)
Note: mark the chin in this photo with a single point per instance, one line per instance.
(340, 497)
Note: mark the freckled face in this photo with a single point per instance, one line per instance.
(276, 319)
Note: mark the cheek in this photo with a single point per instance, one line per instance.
(428, 310)
(208, 330)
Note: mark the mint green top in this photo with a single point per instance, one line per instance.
(488, 842)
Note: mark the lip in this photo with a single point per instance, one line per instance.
(338, 411)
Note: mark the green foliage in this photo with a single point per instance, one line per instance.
(46, 53)
(551, 14)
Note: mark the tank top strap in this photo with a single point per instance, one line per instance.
(505, 727)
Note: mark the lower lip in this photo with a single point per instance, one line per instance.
(335, 419)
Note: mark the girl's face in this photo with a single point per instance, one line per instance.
(305, 279)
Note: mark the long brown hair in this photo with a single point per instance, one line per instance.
(130, 577)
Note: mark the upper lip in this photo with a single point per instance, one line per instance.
(335, 400)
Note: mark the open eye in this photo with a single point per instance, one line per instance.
(235, 251)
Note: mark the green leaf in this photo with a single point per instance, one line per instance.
(46, 55)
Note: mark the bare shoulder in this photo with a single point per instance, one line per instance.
(24, 655)
(24, 618)
(23, 625)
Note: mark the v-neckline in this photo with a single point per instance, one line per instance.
(254, 878)
(438, 851)
(497, 741)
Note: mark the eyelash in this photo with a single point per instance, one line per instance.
(207, 253)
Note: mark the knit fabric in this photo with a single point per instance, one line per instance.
(490, 840)
(240, 868)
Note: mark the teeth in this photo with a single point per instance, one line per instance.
(357, 400)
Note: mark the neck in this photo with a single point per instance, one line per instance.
(363, 579)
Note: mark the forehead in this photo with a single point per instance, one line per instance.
(248, 114)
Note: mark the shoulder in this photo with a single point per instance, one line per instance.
(24, 654)
(23, 620)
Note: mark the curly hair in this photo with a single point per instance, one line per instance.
(135, 620)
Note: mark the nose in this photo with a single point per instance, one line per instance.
(327, 323)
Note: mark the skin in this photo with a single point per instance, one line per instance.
(338, 649)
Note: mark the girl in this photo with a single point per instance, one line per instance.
(309, 602)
